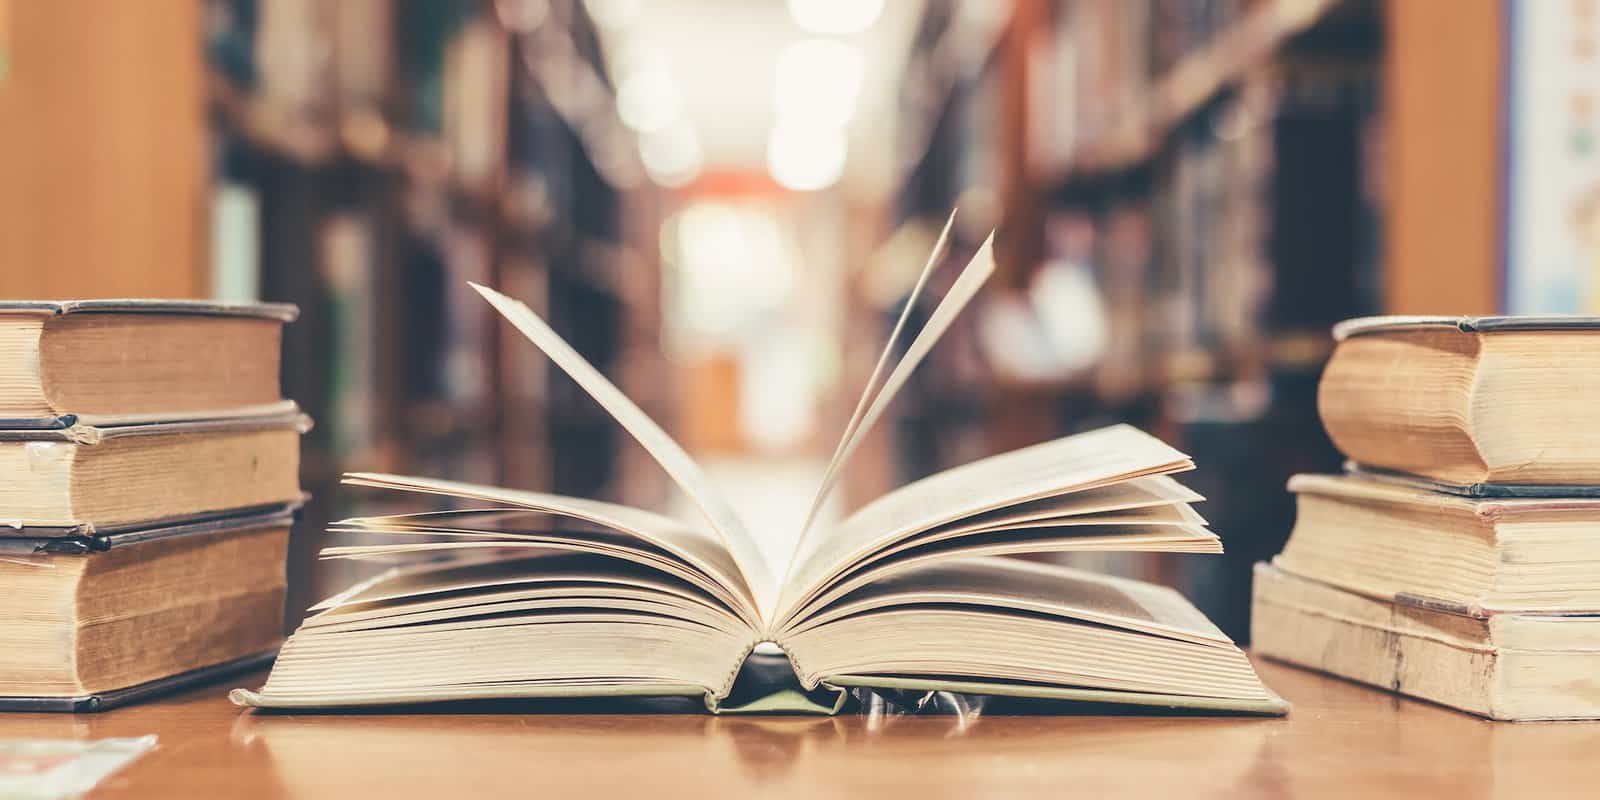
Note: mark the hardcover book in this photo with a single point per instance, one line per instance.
(527, 594)
(95, 620)
(1467, 400)
(115, 362)
(87, 478)
(1500, 666)
(1387, 539)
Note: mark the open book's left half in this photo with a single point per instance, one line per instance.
(519, 594)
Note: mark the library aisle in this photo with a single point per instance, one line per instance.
(726, 207)
(1187, 195)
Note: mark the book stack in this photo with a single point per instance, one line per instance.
(149, 472)
(1458, 559)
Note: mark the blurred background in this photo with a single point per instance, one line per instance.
(723, 204)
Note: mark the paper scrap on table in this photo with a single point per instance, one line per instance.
(48, 769)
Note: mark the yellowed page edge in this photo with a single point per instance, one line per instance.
(972, 278)
(663, 448)
(868, 392)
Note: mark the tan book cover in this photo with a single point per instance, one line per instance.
(116, 362)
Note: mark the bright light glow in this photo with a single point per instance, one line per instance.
(672, 155)
(840, 17)
(630, 54)
(612, 13)
(648, 101)
(777, 388)
(818, 81)
(732, 267)
(806, 158)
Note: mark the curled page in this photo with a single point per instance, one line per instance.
(966, 286)
(829, 476)
(668, 453)
(691, 544)
(1061, 466)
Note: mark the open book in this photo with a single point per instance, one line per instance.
(536, 595)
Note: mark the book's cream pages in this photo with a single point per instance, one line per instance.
(1504, 666)
(86, 479)
(516, 594)
(1385, 539)
(1470, 401)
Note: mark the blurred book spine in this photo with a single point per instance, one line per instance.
(1200, 200)
(349, 273)
(235, 242)
(373, 156)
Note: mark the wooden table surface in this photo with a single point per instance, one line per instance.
(1340, 740)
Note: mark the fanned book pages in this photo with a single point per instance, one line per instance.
(525, 594)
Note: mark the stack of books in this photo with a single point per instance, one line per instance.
(1458, 559)
(149, 473)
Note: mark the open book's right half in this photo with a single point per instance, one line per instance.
(519, 594)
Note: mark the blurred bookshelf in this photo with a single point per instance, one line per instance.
(401, 148)
(1188, 193)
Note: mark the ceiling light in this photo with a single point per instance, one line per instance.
(818, 81)
(840, 17)
(672, 155)
(647, 100)
(806, 158)
(612, 13)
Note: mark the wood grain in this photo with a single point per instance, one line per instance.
(1340, 740)
(103, 150)
(1443, 86)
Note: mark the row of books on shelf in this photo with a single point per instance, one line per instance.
(325, 76)
(1121, 75)
(1234, 253)
(149, 477)
(436, 91)
(520, 203)
(1189, 283)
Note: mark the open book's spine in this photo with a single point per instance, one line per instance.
(726, 687)
(761, 684)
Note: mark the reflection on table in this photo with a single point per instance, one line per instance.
(1340, 738)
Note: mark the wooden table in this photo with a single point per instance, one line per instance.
(1340, 740)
